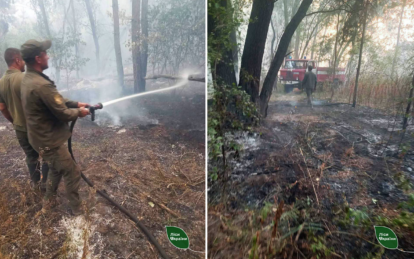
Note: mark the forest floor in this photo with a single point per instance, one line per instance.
(152, 145)
(338, 170)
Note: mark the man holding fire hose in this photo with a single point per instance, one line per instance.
(47, 116)
(11, 108)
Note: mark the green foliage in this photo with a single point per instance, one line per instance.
(403, 182)
(255, 245)
(354, 217)
(405, 220)
(230, 109)
(377, 255)
(319, 248)
(409, 205)
(176, 33)
(226, 21)
(266, 210)
(64, 48)
(359, 216)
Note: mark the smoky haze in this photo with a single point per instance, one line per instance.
(83, 60)
(25, 21)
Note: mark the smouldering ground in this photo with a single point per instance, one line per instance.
(336, 168)
(159, 152)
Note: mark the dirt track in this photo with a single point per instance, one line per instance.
(156, 147)
(325, 158)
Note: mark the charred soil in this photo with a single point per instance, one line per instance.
(338, 171)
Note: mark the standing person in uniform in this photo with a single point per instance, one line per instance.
(47, 116)
(309, 84)
(12, 110)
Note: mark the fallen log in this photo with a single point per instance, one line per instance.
(190, 78)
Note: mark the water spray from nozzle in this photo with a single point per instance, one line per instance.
(179, 84)
(93, 108)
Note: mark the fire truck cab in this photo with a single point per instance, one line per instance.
(293, 71)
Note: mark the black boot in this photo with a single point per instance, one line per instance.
(34, 172)
(34, 175)
(45, 171)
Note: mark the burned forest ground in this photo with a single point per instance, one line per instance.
(147, 146)
(335, 172)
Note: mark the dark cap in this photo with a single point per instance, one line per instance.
(33, 48)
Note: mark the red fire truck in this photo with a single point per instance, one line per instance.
(293, 72)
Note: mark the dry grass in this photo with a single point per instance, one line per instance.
(376, 93)
(130, 167)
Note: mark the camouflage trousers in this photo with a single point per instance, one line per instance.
(32, 158)
(61, 165)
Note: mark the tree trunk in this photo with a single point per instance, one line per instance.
(360, 56)
(314, 40)
(289, 14)
(322, 43)
(286, 16)
(251, 63)
(349, 67)
(117, 44)
(280, 56)
(394, 60)
(286, 12)
(49, 35)
(135, 38)
(75, 32)
(272, 48)
(407, 111)
(335, 58)
(144, 53)
(341, 53)
(44, 17)
(314, 30)
(272, 51)
(235, 50)
(94, 32)
(223, 71)
(297, 41)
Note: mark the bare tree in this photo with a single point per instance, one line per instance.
(335, 56)
(407, 111)
(398, 41)
(75, 32)
(144, 53)
(364, 25)
(223, 69)
(277, 61)
(314, 41)
(117, 45)
(297, 41)
(251, 63)
(94, 31)
(135, 38)
(274, 35)
(45, 23)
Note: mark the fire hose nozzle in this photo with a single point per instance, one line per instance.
(92, 109)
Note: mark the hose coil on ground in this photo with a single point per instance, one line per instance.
(122, 209)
